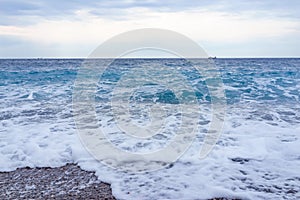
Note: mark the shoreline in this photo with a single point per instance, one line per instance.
(66, 182)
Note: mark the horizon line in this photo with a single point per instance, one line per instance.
(210, 57)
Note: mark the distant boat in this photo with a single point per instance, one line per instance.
(210, 57)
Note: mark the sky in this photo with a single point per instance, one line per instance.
(225, 28)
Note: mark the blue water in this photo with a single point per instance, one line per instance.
(243, 74)
(254, 81)
(262, 127)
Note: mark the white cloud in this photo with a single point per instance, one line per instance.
(199, 25)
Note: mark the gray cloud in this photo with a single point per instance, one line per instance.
(22, 12)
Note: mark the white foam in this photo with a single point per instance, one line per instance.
(30, 96)
(254, 147)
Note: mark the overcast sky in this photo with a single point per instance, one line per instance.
(226, 28)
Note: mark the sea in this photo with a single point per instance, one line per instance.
(256, 156)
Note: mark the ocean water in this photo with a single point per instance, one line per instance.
(257, 155)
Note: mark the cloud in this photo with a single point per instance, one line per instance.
(30, 12)
(64, 26)
(198, 24)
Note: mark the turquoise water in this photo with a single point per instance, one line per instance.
(272, 80)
